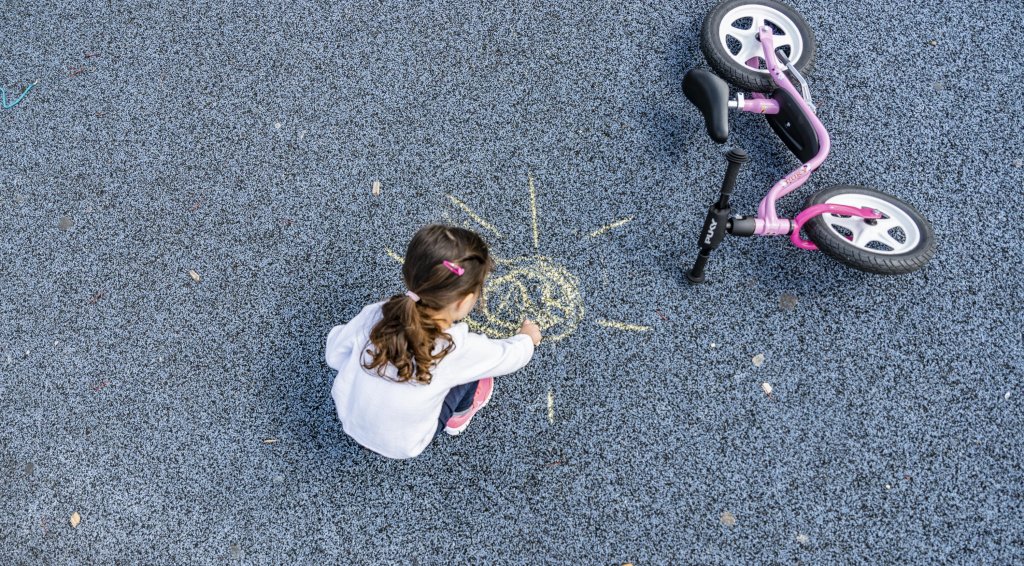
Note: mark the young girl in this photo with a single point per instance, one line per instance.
(407, 369)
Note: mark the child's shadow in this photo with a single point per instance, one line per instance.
(299, 408)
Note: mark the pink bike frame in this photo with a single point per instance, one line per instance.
(767, 221)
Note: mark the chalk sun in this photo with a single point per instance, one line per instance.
(536, 287)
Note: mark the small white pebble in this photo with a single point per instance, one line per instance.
(767, 387)
(277, 125)
(803, 539)
(727, 518)
(713, 345)
(758, 360)
(27, 352)
(888, 486)
(302, 134)
(56, 342)
(1005, 397)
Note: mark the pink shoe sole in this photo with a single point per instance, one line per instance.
(458, 423)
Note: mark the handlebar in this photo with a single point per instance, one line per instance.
(805, 90)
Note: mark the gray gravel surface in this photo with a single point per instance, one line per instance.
(241, 140)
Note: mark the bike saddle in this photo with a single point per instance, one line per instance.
(710, 95)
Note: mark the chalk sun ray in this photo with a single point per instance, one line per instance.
(476, 217)
(609, 227)
(533, 212)
(623, 325)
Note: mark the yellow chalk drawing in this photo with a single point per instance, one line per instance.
(534, 287)
(624, 326)
(611, 226)
(395, 256)
(476, 218)
(533, 212)
(528, 287)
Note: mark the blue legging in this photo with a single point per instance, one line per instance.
(459, 399)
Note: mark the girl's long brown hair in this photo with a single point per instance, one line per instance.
(407, 334)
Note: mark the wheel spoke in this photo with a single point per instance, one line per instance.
(782, 41)
(851, 223)
(742, 34)
(862, 236)
(738, 35)
(749, 47)
(748, 52)
(884, 237)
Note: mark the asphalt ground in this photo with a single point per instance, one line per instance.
(190, 421)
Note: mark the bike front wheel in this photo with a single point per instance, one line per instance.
(901, 241)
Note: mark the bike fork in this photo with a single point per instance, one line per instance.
(718, 222)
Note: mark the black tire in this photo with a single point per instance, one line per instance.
(741, 76)
(884, 262)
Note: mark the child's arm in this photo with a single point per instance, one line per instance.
(339, 345)
(342, 339)
(485, 357)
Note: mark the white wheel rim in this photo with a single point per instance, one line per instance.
(750, 47)
(861, 233)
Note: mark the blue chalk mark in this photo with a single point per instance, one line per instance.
(3, 96)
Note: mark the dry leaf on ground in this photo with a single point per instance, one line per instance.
(75, 519)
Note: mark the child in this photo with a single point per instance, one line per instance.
(407, 369)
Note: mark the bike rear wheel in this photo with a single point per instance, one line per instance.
(729, 41)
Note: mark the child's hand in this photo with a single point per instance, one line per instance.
(532, 330)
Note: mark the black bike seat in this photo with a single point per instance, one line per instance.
(710, 95)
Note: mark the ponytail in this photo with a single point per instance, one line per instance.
(443, 265)
(405, 338)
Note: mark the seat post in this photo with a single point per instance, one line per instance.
(716, 223)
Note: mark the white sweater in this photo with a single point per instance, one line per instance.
(398, 420)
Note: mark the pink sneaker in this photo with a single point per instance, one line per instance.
(459, 421)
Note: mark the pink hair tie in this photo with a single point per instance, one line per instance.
(415, 298)
(458, 271)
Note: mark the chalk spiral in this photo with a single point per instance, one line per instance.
(529, 287)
